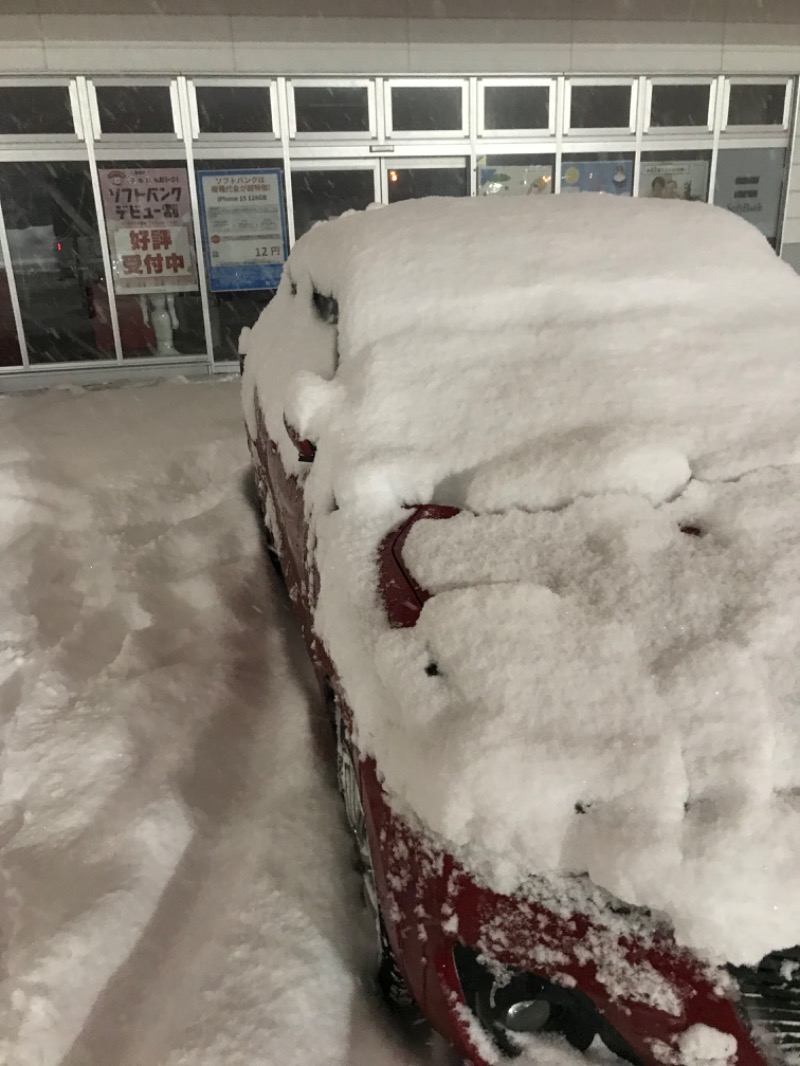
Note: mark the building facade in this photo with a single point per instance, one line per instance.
(158, 160)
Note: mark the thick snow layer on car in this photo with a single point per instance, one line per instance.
(583, 376)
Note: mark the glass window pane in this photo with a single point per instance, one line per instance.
(232, 310)
(515, 175)
(411, 183)
(674, 175)
(35, 110)
(321, 194)
(600, 107)
(516, 107)
(233, 109)
(9, 348)
(608, 172)
(749, 182)
(55, 253)
(148, 217)
(680, 105)
(426, 107)
(331, 109)
(134, 109)
(756, 105)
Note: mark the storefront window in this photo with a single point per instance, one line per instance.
(321, 194)
(674, 175)
(9, 347)
(148, 217)
(516, 107)
(515, 175)
(749, 182)
(600, 107)
(244, 242)
(55, 253)
(125, 109)
(679, 105)
(331, 109)
(608, 172)
(33, 110)
(233, 109)
(426, 108)
(756, 105)
(411, 183)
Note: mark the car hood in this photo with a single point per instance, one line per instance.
(614, 691)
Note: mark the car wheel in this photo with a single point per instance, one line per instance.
(390, 982)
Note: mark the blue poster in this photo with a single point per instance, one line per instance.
(243, 219)
(613, 176)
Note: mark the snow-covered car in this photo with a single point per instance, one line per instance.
(530, 471)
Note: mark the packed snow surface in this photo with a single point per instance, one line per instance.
(609, 390)
(177, 882)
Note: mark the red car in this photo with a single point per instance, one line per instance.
(347, 508)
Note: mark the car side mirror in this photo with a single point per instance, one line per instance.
(306, 449)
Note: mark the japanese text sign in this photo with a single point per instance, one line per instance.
(149, 220)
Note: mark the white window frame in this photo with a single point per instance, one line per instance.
(536, 83)
(423, 162)
(599, 83)
(426, 83)
(270, 84)
(70, 85)
(783, 127)
(299, 165)
(683, 131)
(332, 83)
(102, 137)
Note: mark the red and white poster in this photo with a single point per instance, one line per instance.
(149, 221)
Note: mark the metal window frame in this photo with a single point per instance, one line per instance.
(26, 139)
(528, 131)
(600, 83)
(737, 129)
(679, 131)
(331, 83)
(423, 162)
(95, 125)
(426, 83)
(16, 308)
(379, 150)
(270, 84)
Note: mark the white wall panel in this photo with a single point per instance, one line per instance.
(352, 45)
(21, 44)
(125, 43)
(513, 46)
(577, 36)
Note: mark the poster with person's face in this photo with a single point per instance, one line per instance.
(685, 179)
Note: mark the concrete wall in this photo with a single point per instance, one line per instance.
(407, 36)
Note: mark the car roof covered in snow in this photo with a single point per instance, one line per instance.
(494, 331)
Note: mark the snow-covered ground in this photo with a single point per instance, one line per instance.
(177, 885)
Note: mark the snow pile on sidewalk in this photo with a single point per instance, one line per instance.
(176, 876)
(615, 695)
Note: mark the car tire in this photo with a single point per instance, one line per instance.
(390, 982)
(272, 552)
